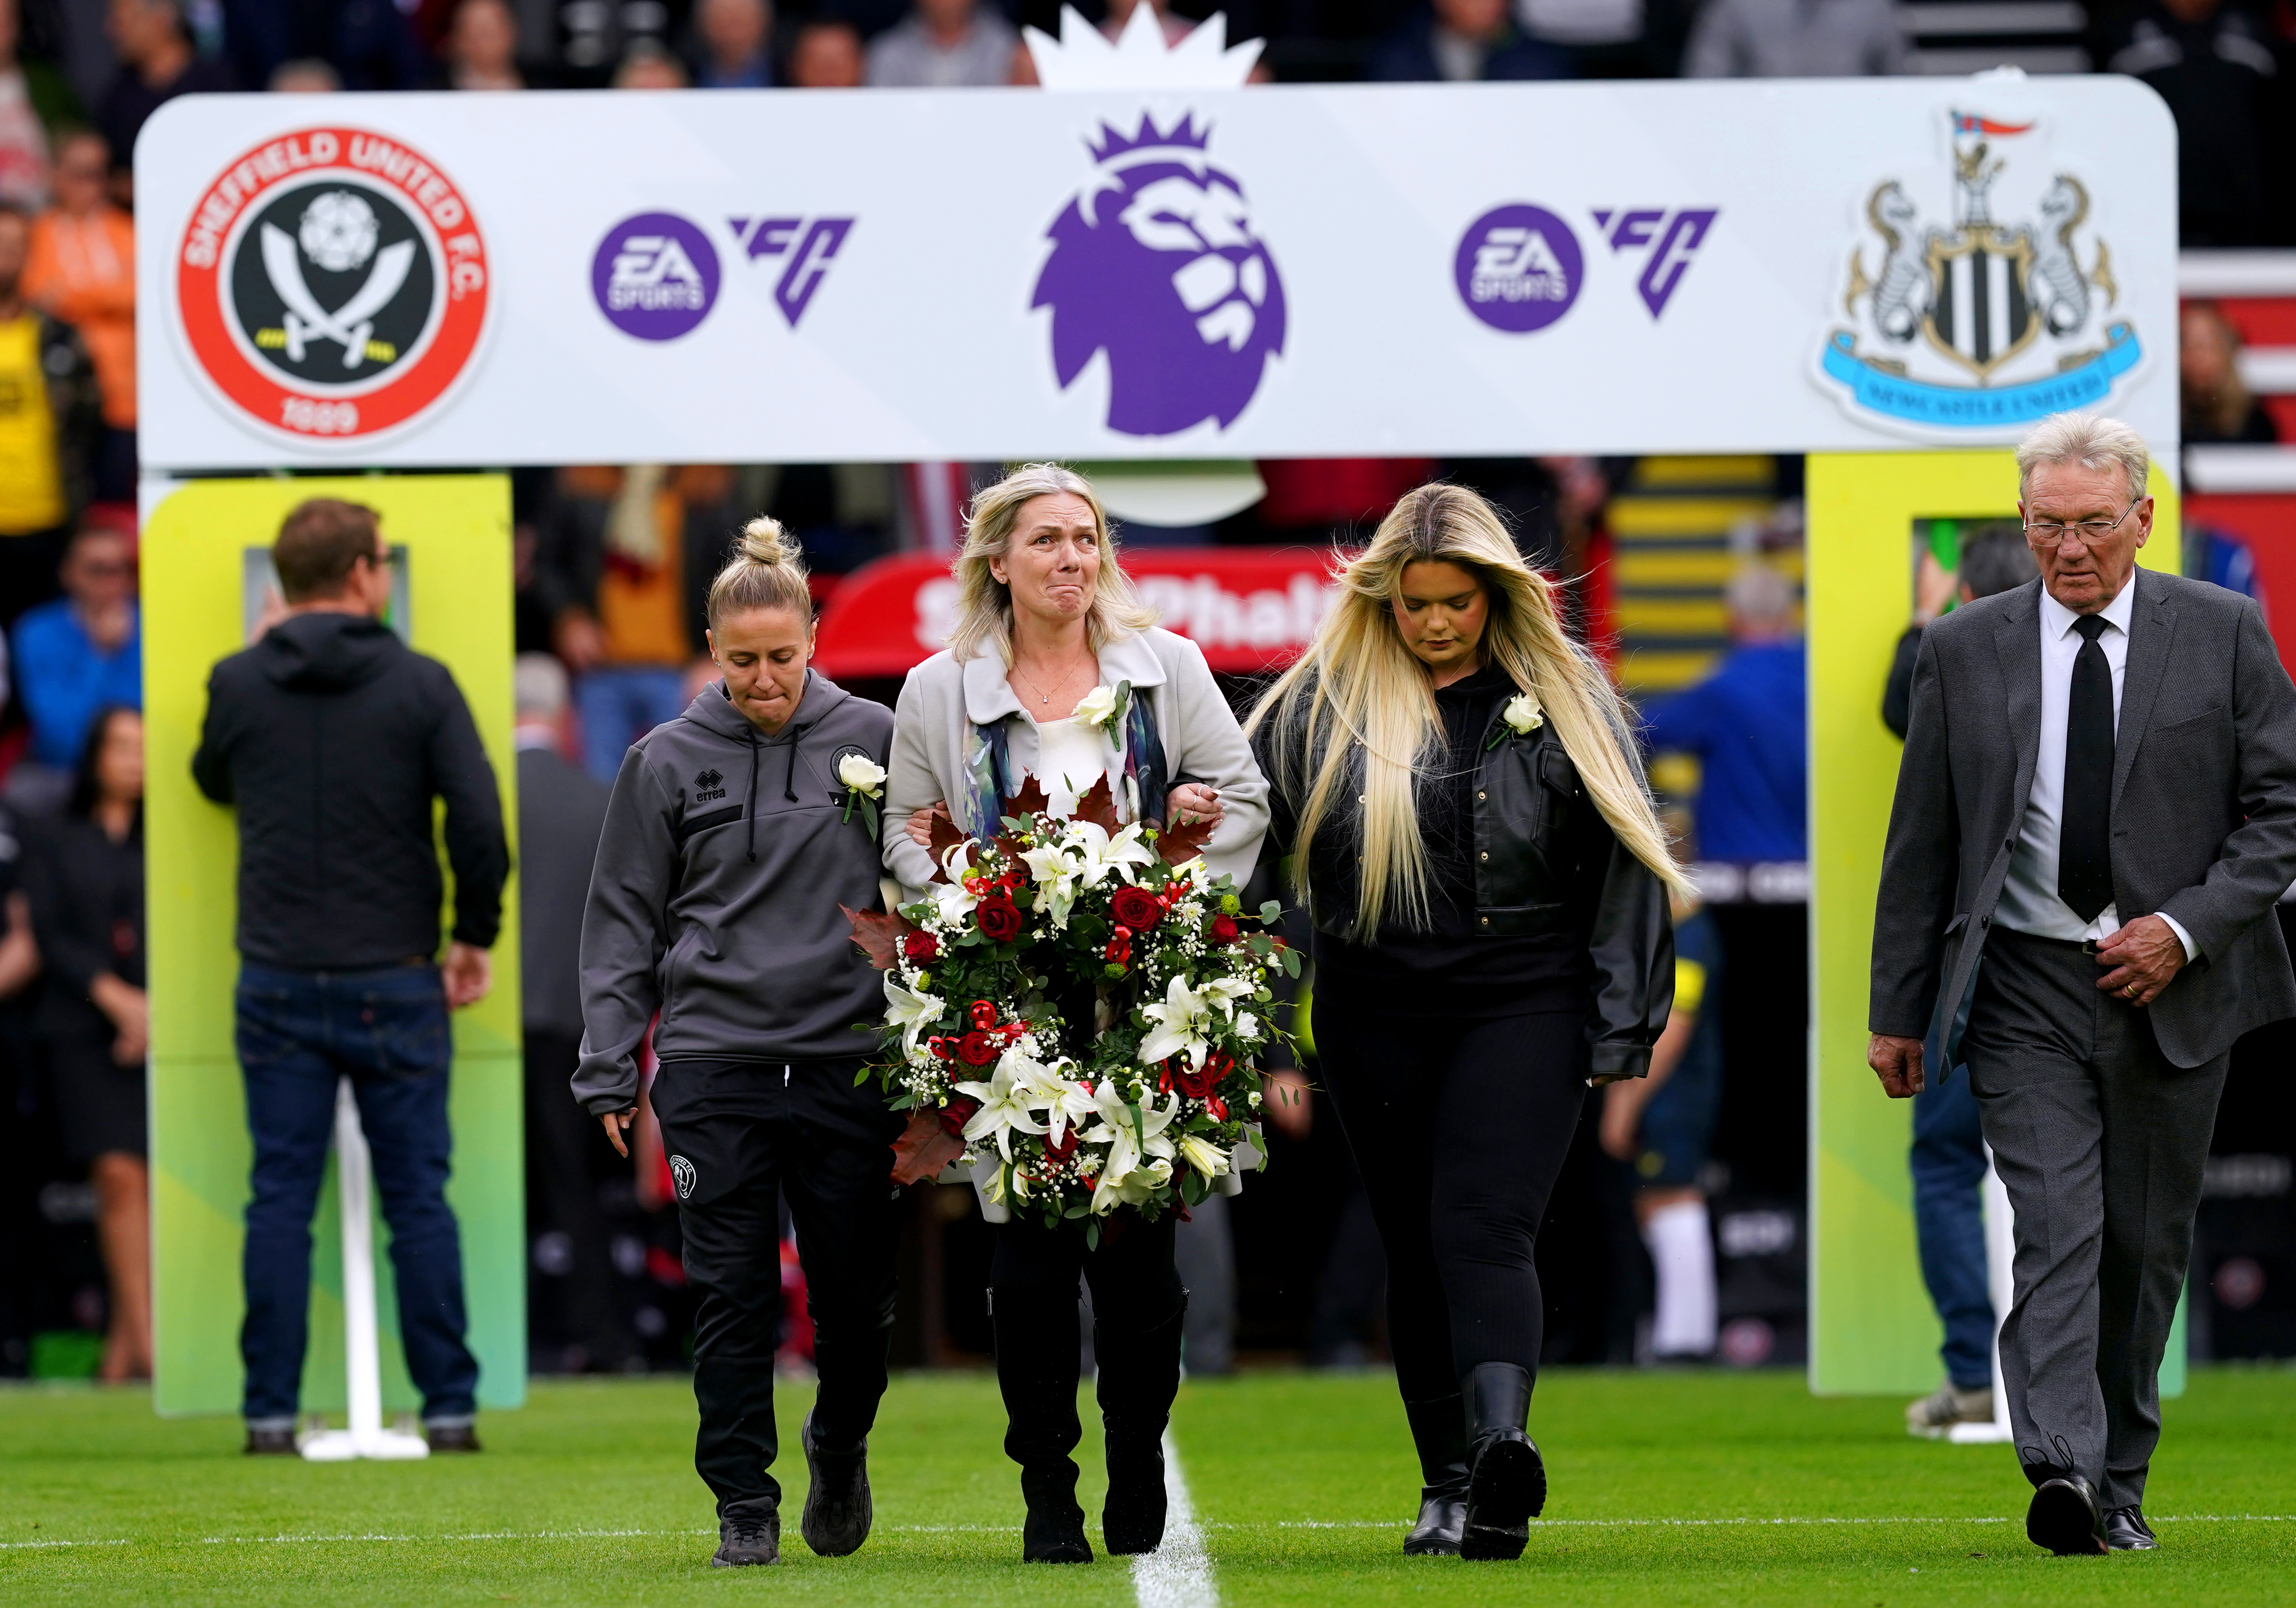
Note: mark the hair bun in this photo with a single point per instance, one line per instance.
(765, 542)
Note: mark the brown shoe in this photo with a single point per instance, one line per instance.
(452, 1437)
(269, 1443)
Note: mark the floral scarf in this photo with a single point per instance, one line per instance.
(1144, 777)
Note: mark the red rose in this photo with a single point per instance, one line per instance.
(1225, 930)
(920, 948)
(976, 1048)
(957, 1113)
(999, 919)
(1196, 1082)
(1066, 1148)
(1137, 908)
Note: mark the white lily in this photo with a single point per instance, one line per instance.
(1054, 870)
(1065, 1102)
(1182, 1023)
(1137, 1187)
(1128, 1147)
(1206, 1157)
(1003, 1102)
(910, 1010)
(1103, 854)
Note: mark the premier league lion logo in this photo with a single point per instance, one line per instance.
(1156, 264)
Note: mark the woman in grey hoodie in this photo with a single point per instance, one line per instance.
(734, 833)
(1047, 619)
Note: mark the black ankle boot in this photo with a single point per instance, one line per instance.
(1507, 1483)
(1036, 1358)
(1139, 1375)
(1439, 1429)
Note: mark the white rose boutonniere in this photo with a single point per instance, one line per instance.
(1519, 718)
(1105, 706)
(864, 786)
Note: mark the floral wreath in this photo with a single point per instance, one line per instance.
(1146, 1104)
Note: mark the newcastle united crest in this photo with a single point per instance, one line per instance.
(333, 285)
(1982, 324)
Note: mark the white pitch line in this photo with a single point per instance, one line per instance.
(1179, 1574)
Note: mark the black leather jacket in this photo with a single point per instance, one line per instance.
(1545, 862)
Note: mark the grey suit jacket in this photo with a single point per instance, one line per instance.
(2203, 808)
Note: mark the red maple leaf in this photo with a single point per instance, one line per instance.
(946, 835)
(879, 934)
(1180, 844)
(1029, 801)
(923, 1148)
(1099, 807)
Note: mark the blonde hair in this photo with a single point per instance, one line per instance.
(2088, 440)
(1357, 710)
(764, 573)
(984, 604)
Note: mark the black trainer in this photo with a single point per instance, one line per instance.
(746, 1536)
(2126, 1531)
(269, 1443)
(452, 1437)
(838, 1511)
(2065, 1518)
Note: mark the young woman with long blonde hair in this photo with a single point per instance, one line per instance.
(1456, 782)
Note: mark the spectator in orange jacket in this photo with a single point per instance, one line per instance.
(82, 269)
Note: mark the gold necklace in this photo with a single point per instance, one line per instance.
(1043, 697)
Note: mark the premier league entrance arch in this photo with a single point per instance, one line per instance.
(1157, 264)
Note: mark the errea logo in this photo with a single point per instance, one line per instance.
(708, 784)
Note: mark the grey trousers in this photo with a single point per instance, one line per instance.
(2101, 1141)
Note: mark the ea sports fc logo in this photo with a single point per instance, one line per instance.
(333, 284)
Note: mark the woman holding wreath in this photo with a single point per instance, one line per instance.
(1055, 671)
(734, 833)
(1456, 784)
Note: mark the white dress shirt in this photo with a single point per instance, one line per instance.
(2029, 902)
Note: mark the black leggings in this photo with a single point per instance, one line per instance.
(1460, 1129)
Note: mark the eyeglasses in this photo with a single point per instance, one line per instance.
(2049, 533)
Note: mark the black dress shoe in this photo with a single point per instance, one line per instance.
(747, 1536)
(1438, 1431)
(1507, 1484)
(838, 1510)
(452, 1437)
(270, 1443)
(2126, 1531)
(2065, 1518)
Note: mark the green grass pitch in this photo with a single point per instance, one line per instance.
(1670, 1491)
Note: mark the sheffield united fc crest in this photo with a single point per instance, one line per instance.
(1977, 322)
(333, 285)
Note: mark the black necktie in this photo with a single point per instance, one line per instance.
(2084, 859)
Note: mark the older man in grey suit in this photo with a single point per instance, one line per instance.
(2095, 815)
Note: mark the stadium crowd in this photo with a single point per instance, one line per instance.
(612, 563)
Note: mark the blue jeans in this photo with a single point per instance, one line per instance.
(298, 1032)
(618, 703)
(1948, 1166)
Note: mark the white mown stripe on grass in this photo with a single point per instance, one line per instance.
(1179, 1574)
(1191, 1554)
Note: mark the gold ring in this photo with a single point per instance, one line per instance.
(2130, 989)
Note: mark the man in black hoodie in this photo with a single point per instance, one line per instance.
(333, 738)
